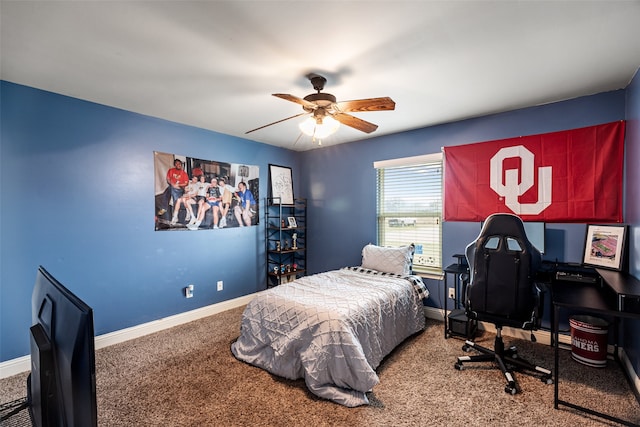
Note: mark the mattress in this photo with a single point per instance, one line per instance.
(333, 329)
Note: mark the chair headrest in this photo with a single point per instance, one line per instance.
(503, 224)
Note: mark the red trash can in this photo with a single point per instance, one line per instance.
(589, 340)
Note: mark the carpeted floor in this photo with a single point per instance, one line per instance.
(187, 376)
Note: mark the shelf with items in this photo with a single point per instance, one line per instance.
(291, 273)
(286, 239)
(456, 322)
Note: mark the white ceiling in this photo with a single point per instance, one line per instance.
(215, 64)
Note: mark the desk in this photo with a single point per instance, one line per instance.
(625, 286)
(607, 300)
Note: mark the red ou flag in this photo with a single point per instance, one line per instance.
(568, 176)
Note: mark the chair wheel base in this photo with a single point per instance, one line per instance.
(506, 360)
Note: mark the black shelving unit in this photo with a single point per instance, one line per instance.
(456, 322)
(286, 256)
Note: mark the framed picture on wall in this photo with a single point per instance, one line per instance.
(180, 180)
(604, 246)
(280, 185)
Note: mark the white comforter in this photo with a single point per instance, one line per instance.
(332, 329)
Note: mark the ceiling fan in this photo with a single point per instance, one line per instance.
(322, 107)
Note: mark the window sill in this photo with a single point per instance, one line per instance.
(430, 275)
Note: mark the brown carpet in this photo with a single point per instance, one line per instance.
(187, 376)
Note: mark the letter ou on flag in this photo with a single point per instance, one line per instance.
(568, 176)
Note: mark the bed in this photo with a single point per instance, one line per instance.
(334, 329)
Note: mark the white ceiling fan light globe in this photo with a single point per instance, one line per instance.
(327, 126)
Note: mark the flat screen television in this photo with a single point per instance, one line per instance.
(61, 388)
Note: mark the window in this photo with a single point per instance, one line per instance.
(409, 208)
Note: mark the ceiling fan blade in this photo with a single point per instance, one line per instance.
(371, 104)
(354, 122)
(279, 121)
(295, 99)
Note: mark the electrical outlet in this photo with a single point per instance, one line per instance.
(452, 293)
(188, 291)
(220, 285)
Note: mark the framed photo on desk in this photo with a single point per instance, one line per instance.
(604, 246)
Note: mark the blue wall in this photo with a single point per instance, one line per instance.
(340, 184)
(77, 196)
(344, 200)
(632, 207)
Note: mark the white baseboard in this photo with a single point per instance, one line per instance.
(23, 364)
(628, 367)
(15, 366)
(543, 337)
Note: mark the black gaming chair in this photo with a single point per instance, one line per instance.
(502, 265)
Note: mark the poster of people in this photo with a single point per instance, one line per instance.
(196, 194)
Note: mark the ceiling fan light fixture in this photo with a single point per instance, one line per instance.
(319, 127)
(323, 108)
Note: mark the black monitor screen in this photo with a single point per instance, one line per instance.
(62, 384)
(535, 234)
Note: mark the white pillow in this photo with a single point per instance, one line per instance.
(388, 260)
